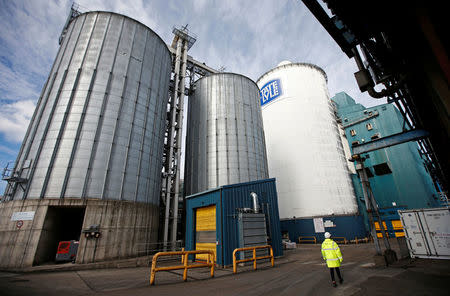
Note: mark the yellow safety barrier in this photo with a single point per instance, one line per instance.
(378, 229)
(307, 239)
(235, 262)
(358, 240)
(184, 260)
(340, 239)
(398, 228)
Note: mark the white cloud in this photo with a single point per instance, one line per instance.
(8, 151)
(247, 37)
(14, 119)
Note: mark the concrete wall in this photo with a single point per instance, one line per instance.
(127, 229)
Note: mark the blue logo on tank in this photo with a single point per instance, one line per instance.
(270, 91)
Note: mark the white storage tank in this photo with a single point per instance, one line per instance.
(225, 136)
(304, 149)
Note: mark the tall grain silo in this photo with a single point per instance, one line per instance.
(305, 152)
(92, 155)
(225, 136)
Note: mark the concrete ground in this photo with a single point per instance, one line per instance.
(300, 272)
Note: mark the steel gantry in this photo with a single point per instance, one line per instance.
(185, 70)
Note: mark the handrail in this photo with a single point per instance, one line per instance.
(358, 240)
(254, 256)
(305, 239)
(184, 260)
(340, 239)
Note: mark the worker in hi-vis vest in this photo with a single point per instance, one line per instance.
(333, 256)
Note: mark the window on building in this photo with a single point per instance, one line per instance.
(375, 136)
(354, 143)
(382, 169)
(353, 133)
(383, 108)
(369, 172)
(369, 126)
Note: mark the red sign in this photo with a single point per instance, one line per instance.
(19, 224)
(63, 248)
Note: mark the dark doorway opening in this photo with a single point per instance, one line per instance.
(60, 224)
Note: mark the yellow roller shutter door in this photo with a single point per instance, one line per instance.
(205, 230)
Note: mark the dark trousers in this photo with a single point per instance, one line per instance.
(337, 271)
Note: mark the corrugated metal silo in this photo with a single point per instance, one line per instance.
(305, 153)
(92, 155)
(225, 137)
(98, 130)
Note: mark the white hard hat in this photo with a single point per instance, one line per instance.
(327, 235)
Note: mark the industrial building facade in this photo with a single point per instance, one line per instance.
(398, 175)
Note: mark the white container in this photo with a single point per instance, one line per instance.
(304, 148)
(427, 232)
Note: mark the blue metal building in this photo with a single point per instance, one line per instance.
(398, 177)
(349, 227)
(212, 217)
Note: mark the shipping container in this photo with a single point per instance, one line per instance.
(212, 218)
(427, 232)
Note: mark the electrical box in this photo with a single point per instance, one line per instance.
(252, 232)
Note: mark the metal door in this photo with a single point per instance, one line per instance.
(415, 234)
(205, 231)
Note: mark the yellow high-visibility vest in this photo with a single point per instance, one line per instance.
(331, 253)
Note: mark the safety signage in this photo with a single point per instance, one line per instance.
(19, 224)
(16, 216)
(318, 225)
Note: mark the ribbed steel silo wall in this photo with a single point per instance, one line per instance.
(225, 139)
(98, 128)
(305, 152)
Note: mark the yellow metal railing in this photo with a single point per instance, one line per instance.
(307, 239)
(184, 260)
(339, 239)
(254, 258)
(360, 240)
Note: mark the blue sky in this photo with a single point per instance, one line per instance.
(246, 37)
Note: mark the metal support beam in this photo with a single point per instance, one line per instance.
(374, 114)
(371, 207)
(184, 67)
(171, 140)
(388, 141)
(330, 26)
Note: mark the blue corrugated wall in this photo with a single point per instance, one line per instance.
(238, 196)
(345, 226)
(228, 199)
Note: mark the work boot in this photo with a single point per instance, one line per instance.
(341, 281)
(334, 284)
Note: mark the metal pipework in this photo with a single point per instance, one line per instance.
(171, 134)
(255, 202)
(364, 73)
(179, 140)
